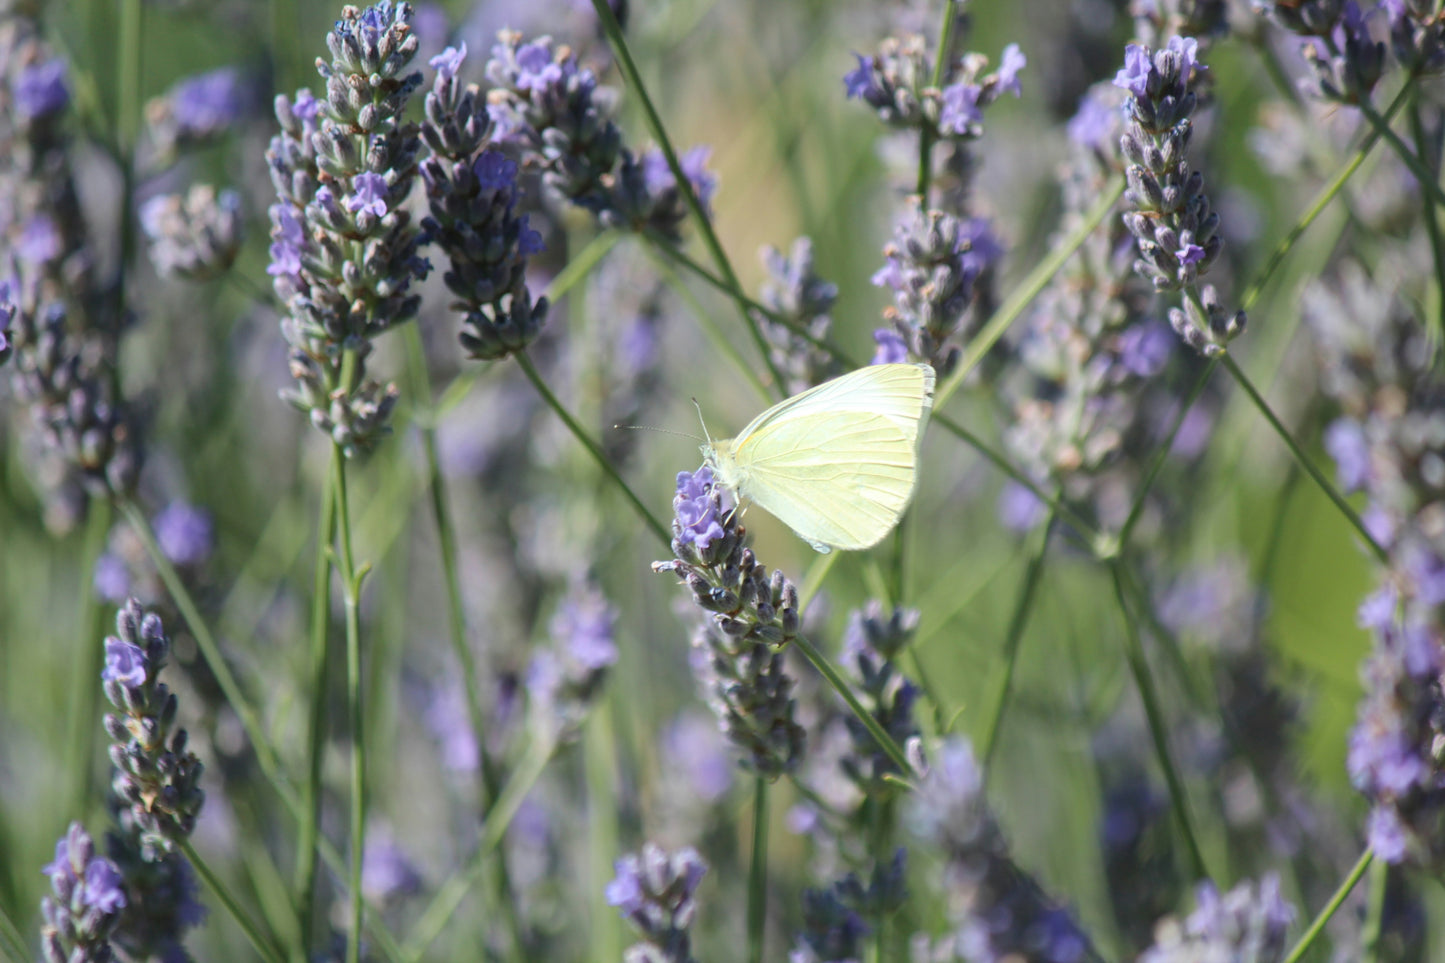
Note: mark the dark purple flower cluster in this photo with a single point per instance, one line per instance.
(1177, 232)
(1346, 60)
(1417, 34)
(835, 919)
(555, 111)
(563, 681)
(752, 618)
(939, 268)
(344, 250)
(793, 291)
(472, 194)
(87, 897)
(196, 236)
(63, 321)
(1378, 365)
(198, 110)
(1001, 913)
(654, 890)
(1249, 922)
(897, 82)
(872, 644)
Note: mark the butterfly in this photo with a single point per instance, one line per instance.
(837, 463)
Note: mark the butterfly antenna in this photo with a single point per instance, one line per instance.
(703, 422)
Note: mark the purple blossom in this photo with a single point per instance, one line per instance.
(449, 61)
(305, 107)
(1250, 922)
(859, 82)
(40, 242)
(1134, 75)
(892, 349)
(694, 508)
(208, 103)
(370, 195)
(495, 171)
(1346, 443)
(91, 882)
(537, 70)
(1010, 63)
(654, 890)
(111, 579)
(584, 624)
(288, 241)
(1096, 124)
(1189, 253)
(1144, 349)
(40, 89)
(1377, 611)
(125, 662)
(960, 110)
(529, 241)
(657, 175)
(1187, 49)
(185, 533)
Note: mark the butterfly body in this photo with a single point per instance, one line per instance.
(837, 463)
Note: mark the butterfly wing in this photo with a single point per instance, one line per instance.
(902, 392)
(840, 479)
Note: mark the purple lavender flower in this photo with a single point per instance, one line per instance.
(960, 113)
(1250, 922)
(209, 103)
(654, 891)
(449, 62)
(693, 747)
(40, 90)
(185, 533)
(697, 509)
(369, 196)
(40, 243)
(196, 236)
(859, 83)
(85, 902)
(111, 579)
(445, 714)
(1346, 443)
(563, 681)
(892, 349)
(794, 292)
(1097, 123)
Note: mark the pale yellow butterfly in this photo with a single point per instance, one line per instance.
(837, 463)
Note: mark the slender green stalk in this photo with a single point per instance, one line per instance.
(988, 741)
(351, 594)
(1317, 925)
(1431, 216)
(128, 72)
(494, 827)
(758, 873)
(83, 716)
(530, 370)
(320, 686)
(1028, 289)
(1381, 128)
(613, 30)
(254, 936)
(260, 744)
(1374, 911)
(1158, 727)
(940, 67)
(1319, 479)
(840, 685)
(1277, 256)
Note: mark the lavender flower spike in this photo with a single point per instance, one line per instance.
(1249, 922)
(654, 891)
(1177, 232)
(85, 902)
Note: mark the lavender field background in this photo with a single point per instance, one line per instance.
(1150, 670)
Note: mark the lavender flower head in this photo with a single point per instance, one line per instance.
(654, 890)
(345, 251)
(1176, 231)
(86, 899)
(1248, 923)
(938, 266)
(750, 618)
(896, 82)
(196, 236)
(185, 533)
(1346, 60)
(796, 294)
(564, 680)
(643, 195)
(198, 110)
(41, 91)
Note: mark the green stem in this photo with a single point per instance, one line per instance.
(1158, 730)
(758, 873)
(128, 71)
(1317, 925)
(1381, 128)
(1027, 290)
(1430, 215)
(940, 67)
(826, 669)
(1374, 911)
(351, 594)
(530, 370)
(1277, 256)
(320, 686)
(1304, 462)
(613, 30)
(988, 742)
(257, 939)
(83, 718)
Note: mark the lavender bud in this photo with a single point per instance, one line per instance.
(196, 237)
